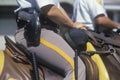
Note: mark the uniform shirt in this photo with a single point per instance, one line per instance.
(36, 3)
(86, 10)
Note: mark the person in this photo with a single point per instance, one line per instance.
(92, 13)
(53, 51)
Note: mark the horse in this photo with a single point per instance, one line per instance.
(16, 64)
(108, 47)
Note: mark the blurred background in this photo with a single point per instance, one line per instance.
(7, 16)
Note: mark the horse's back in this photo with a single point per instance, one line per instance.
(9, 69)
(13, 70)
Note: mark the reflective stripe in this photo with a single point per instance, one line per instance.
(60, 52)
(99, 2)
(2, 59)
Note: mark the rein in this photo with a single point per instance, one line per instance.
(100, 42)
(90, 53)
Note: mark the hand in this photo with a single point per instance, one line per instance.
(80, 25)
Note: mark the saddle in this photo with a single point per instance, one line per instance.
(108, 47)
(95, 67)
(18, 65)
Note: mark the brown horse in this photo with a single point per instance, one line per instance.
(108, 47)
(15, 65)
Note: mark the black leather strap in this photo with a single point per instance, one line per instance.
(69, 40)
